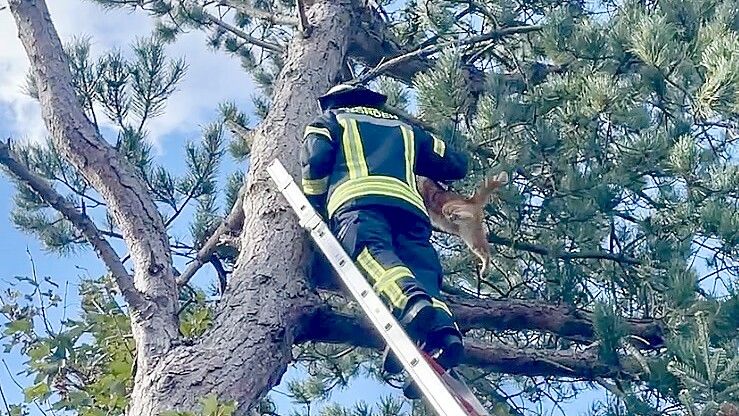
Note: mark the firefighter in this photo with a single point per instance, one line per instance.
(359, 167)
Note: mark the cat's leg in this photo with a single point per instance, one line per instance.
(475, 237)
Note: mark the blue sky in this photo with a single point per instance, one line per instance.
(192, 106)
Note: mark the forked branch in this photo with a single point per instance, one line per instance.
(233, 221)
(437, 47)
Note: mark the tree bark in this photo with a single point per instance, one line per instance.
(249, 347)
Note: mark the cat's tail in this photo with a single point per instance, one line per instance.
(486, 189)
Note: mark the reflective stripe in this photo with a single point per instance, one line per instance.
(385, 281)
(388, 286)
(353, 149)
(373, 268)
(410, 156)
(315, 186)
(317, 130)
(357, 140)
(436, 303)
(374, 185)
(439, 147)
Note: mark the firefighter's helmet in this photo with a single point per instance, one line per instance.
(348, 95)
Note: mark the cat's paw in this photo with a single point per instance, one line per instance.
(459, 215)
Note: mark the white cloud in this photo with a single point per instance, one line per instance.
(212, 76)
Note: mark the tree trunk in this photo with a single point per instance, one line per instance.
(249, 347)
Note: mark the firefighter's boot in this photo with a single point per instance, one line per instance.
(449, 341)
(417, 320)
(445, 338)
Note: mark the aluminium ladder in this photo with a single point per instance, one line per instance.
(443, 396)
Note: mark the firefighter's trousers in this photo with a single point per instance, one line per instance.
(391, 247)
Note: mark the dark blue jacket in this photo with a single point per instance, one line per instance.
(361, 156)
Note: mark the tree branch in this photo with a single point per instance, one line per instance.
(83, 223)
(241, 34)
(517, 314)
(334, 327)
(233, 221)
(305, 27)
(372, 43)
(437, 47)
(542, 362)
(533, 248)
(244, 7)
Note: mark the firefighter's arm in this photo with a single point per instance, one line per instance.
(317, 160)
(437, 161)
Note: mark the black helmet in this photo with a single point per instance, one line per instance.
(348, 95)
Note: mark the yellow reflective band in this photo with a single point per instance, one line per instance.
(388, 286)
(436, 303)
(348, 149)
(384, 281)
(374, 185)
(353, 150)
(317, 130)
(357, 141)
(373, 268)
(315, 186)
(336, 201)
(410, 155)
(439, 147)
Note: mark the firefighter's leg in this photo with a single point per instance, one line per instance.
(415, 250)
(367, 236)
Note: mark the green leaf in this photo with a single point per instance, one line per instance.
(39, 351)
(19, 325)
(121, 368)
(35, 392)
(210, 405)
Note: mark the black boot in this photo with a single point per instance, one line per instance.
(445, 336)
(390, 363)
(449, 341)
(452, 351)
(417, 320)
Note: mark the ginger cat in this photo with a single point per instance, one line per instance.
(462, 216)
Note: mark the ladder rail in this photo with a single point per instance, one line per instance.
(430, 383)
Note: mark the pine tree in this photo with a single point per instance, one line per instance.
(615, 245)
